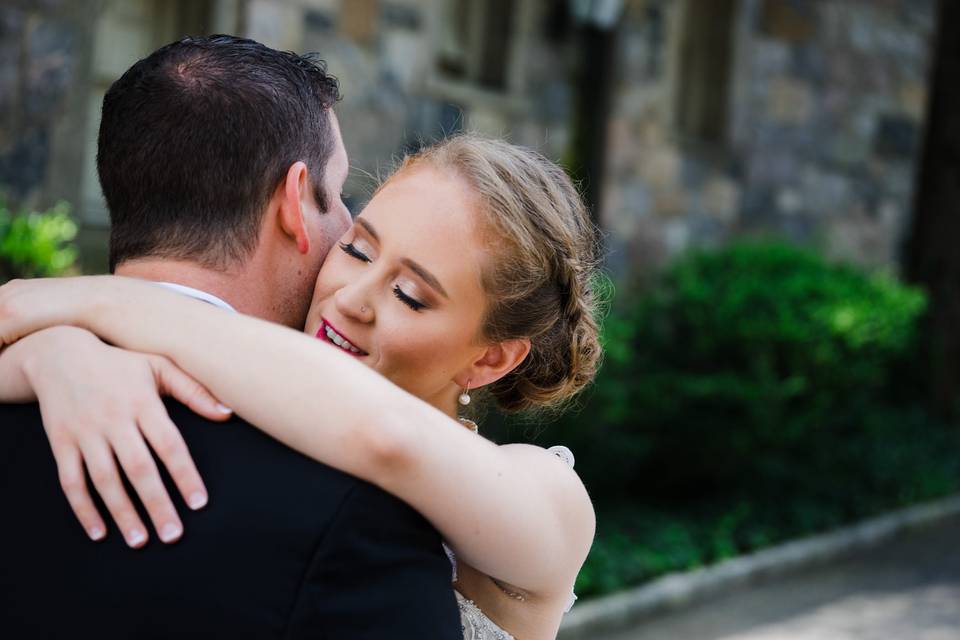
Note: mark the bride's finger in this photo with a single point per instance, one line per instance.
(143, 474)
(106, 479)
(74, 484)
(172, 381)
(167, 442)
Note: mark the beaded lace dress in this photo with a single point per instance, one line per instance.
(476, 625)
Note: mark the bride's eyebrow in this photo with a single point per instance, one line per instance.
(369, 227)
(425, 275)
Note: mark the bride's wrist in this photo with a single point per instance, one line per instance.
(103, 297)
(41, 353)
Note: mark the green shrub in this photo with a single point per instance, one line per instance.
(745, 367)
(751, 395)
(36, 244)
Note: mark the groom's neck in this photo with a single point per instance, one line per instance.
(236, 286)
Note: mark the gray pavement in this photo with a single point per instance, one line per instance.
(906, 589)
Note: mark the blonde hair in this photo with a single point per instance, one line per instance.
(539, 281)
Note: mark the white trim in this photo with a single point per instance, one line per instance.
(199, 295)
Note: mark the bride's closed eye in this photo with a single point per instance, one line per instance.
(351, 250)
(416, 305)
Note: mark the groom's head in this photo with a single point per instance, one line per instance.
(213, 150)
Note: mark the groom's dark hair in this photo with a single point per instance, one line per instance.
(195, 138)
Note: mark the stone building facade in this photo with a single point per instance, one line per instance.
(805, 122)
(721, 117)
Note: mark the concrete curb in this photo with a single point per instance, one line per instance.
(673, 591)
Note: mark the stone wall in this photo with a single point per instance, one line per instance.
(729, 117)
(819, 122)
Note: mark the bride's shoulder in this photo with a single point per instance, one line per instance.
(541, 454)
(552, 470)
(552, 464)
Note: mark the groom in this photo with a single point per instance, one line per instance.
(222, 163)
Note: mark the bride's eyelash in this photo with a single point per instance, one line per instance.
(351, 250)
(407, 300)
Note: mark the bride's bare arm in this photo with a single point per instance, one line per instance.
(515, 513)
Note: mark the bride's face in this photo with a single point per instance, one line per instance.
(403, 285)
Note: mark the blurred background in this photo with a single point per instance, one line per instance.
(774, 180)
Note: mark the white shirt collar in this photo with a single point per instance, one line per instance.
(199, 295)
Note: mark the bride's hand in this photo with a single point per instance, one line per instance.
(100, 404)
(31, 305)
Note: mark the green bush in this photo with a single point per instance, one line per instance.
(749, 396)
(741, 367)
(36, 244)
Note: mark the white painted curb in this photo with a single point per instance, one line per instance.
(680, 589)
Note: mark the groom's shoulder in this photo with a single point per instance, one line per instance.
(350, 516)
(245, 454)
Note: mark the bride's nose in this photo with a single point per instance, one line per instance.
(352, 302)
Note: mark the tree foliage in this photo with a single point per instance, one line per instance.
(36, 244)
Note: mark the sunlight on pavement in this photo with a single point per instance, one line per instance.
(905, 589)
(929, 613)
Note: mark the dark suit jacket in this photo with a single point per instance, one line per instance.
(286, 548)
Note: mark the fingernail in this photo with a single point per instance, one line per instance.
(222, 408)
(197, 500)
(170, 532)
(96, 533)
(136, 537)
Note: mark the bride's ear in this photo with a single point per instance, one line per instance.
(496, 361)
(293, 195)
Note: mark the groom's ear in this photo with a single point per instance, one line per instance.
(295, 199)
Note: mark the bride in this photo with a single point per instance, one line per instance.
(469, 271)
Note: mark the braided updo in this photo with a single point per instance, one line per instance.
(539, 278)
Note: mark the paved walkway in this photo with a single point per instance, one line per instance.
(907, 589)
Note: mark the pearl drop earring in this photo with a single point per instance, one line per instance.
(464, 398)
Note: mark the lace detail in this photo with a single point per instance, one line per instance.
(563, 453)
(476, 625)
(452, 557)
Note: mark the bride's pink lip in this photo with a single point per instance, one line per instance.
(322, 335)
